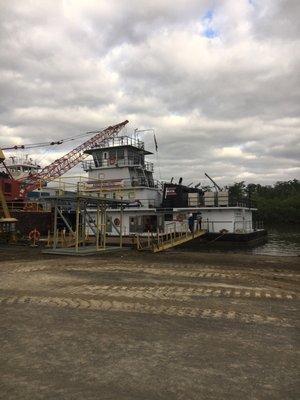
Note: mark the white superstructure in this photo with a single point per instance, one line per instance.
(119, 170)
(21, 167)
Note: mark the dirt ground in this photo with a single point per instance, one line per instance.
(138, 326)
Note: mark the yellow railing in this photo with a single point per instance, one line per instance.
(174, 234)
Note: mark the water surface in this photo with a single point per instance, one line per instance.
(282, 240)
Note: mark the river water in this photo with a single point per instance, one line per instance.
(282, 240)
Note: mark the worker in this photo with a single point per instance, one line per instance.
(191, 223)
(199, 220)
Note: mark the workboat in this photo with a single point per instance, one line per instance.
(118, 169)
(22, 166)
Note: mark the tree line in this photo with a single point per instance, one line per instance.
(278, 203)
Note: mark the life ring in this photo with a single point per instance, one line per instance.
(117, 221)
(34, 235)
(112, 160)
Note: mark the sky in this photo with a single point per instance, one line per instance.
(217, 80)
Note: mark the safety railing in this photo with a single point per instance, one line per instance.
(32, 206)
(121, 141)
(117, 162)
(258, 225)
(175, 233)
(230, 226)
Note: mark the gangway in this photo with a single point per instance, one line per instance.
(166, 240)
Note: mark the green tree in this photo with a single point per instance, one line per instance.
(277, 203)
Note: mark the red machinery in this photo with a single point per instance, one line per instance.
(18, 189)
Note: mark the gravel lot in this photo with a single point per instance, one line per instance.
(148, 326)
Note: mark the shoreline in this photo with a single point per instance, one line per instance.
(19, 253)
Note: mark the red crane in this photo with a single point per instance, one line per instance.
(68, 161)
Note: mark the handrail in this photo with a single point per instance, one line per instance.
(174, 233)
(246, 225)
(118, 162)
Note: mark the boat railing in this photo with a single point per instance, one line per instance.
(121, 141)
(244, 226)
(241, 202)
(120, 162)
(15, 161)
(30, 205)
(118, 184)
(173, 234)
(258, 225)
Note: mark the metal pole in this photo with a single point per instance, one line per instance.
(97, 229)
(55, 227)
(83, 223)
(101, 224)
(121, 224)
(105, 226)
(77, 225)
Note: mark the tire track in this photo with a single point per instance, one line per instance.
(118, 306)
(180, 293)
(163, 269)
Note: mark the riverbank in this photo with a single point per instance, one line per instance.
(219, 258)
(134, 326)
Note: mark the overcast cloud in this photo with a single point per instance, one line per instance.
(218, 80)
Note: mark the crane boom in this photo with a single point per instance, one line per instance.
(69, 160)
(213, 182)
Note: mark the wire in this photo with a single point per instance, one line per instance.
(53, 143)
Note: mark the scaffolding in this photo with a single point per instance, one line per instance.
(87, 234)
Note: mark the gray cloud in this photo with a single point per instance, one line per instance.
(218, 81)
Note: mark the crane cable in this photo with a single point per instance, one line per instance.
(53, 143)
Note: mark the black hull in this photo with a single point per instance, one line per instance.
(29, 220)
(228, 239)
